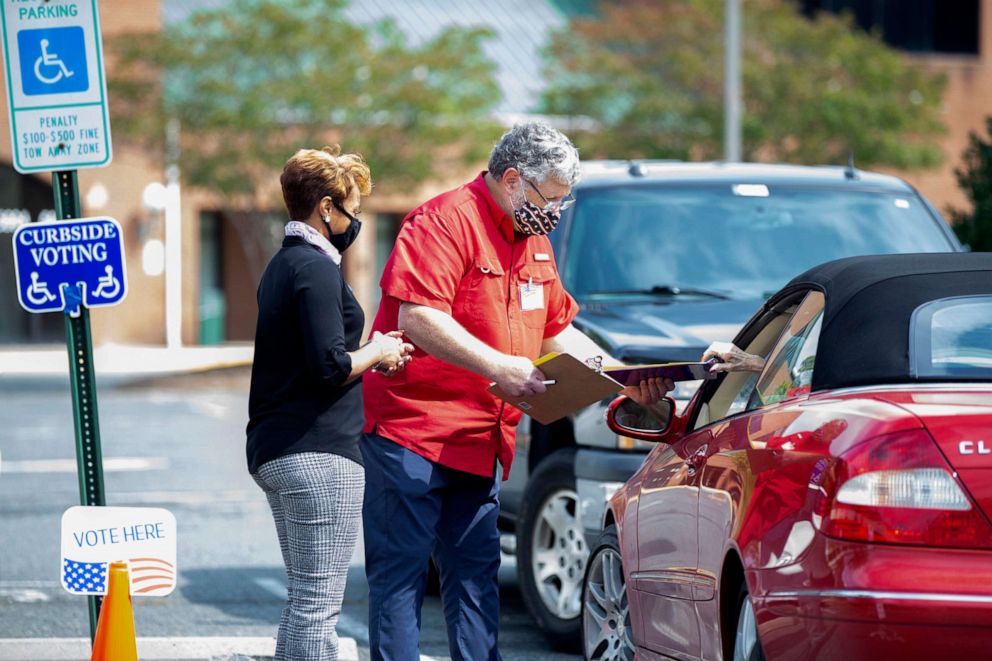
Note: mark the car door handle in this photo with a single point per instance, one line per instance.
(696, 459)
(694, 462)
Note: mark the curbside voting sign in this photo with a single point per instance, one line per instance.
(56, 88)
(51, 258)
(143, 537)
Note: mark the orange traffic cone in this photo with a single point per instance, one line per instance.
(115, 637)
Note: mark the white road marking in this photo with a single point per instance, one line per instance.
(150, 649)
(251, 497)
(272, 586)
(23, 595)
(110, 465)
(212, 409)
(206, 647)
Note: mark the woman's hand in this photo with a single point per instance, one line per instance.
(732, 359)
(394, 353)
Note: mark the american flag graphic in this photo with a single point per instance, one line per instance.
(149, 576)
(84, 577)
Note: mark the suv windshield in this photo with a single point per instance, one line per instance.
(669, 241)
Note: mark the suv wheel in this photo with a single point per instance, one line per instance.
(606, 631)
(551, 549)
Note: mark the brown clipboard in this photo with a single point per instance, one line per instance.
(576, 386)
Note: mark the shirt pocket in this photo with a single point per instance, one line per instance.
(533, 275)
(484, 295)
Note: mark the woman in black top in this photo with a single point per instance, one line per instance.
(305, 406)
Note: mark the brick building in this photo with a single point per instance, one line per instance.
(220, 268)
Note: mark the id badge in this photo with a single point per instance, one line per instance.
(532, 296)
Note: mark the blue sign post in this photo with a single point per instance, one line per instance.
(64, 264)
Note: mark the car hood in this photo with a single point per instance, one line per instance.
(662, 329)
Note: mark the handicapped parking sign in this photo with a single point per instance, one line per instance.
(53, 60)
(63, 264)
(56, 86)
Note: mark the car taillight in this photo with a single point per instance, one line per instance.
(897, 489)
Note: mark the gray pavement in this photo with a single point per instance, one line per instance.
(172, 427)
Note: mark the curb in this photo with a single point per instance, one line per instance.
(158, 649)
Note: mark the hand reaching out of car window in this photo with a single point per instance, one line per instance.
(732, 359)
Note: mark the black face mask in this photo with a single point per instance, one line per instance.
(346, 238)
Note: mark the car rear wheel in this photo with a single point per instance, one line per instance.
(747, 647)
(606, 631)
(551, 549)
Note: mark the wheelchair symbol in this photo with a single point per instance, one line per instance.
(37, 291)
(50, 60)
(107, 282)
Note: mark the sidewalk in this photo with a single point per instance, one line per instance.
(40, 363)
(149, 649)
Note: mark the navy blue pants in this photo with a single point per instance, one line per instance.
(415, 508)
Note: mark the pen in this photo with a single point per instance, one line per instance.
(550, 382)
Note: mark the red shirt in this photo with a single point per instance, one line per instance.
(459, 253)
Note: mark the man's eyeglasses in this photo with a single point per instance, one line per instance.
(559, 205)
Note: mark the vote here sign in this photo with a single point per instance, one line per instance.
(88, 253)
(143, 537)
(56, 88)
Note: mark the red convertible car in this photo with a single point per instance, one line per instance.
(835, 505)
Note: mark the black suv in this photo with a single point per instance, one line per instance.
(665, 258)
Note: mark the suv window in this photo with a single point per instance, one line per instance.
(952, 337)
(743, 242)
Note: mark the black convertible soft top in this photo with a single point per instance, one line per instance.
(869, 302)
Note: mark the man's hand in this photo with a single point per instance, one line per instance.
(649, 391)
(517, 376)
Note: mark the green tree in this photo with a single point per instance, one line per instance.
(974, 226)
(650, 75)
(253, 81)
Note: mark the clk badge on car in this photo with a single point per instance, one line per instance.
(973, 447)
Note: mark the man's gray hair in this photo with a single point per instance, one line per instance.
(538, 152)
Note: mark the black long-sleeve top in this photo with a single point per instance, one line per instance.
(308, 319)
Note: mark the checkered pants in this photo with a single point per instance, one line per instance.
(316, 500)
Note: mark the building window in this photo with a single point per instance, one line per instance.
(927, 26)
(212, 300)
(22, 200)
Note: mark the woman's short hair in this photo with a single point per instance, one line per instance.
(538, 152)
(311, 174)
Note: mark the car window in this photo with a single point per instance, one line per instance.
(712, 237)
(789, 367)
(952, 337)
(734, 390)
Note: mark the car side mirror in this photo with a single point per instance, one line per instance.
(648, 423)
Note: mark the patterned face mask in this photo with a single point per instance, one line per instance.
(532, 219)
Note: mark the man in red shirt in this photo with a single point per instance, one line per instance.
(472, 281)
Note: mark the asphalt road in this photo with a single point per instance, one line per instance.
(177, 443)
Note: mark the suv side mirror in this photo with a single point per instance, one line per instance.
(648, 423)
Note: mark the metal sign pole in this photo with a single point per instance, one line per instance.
(89, 458)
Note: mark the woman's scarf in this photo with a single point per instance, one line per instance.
(314, 238)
